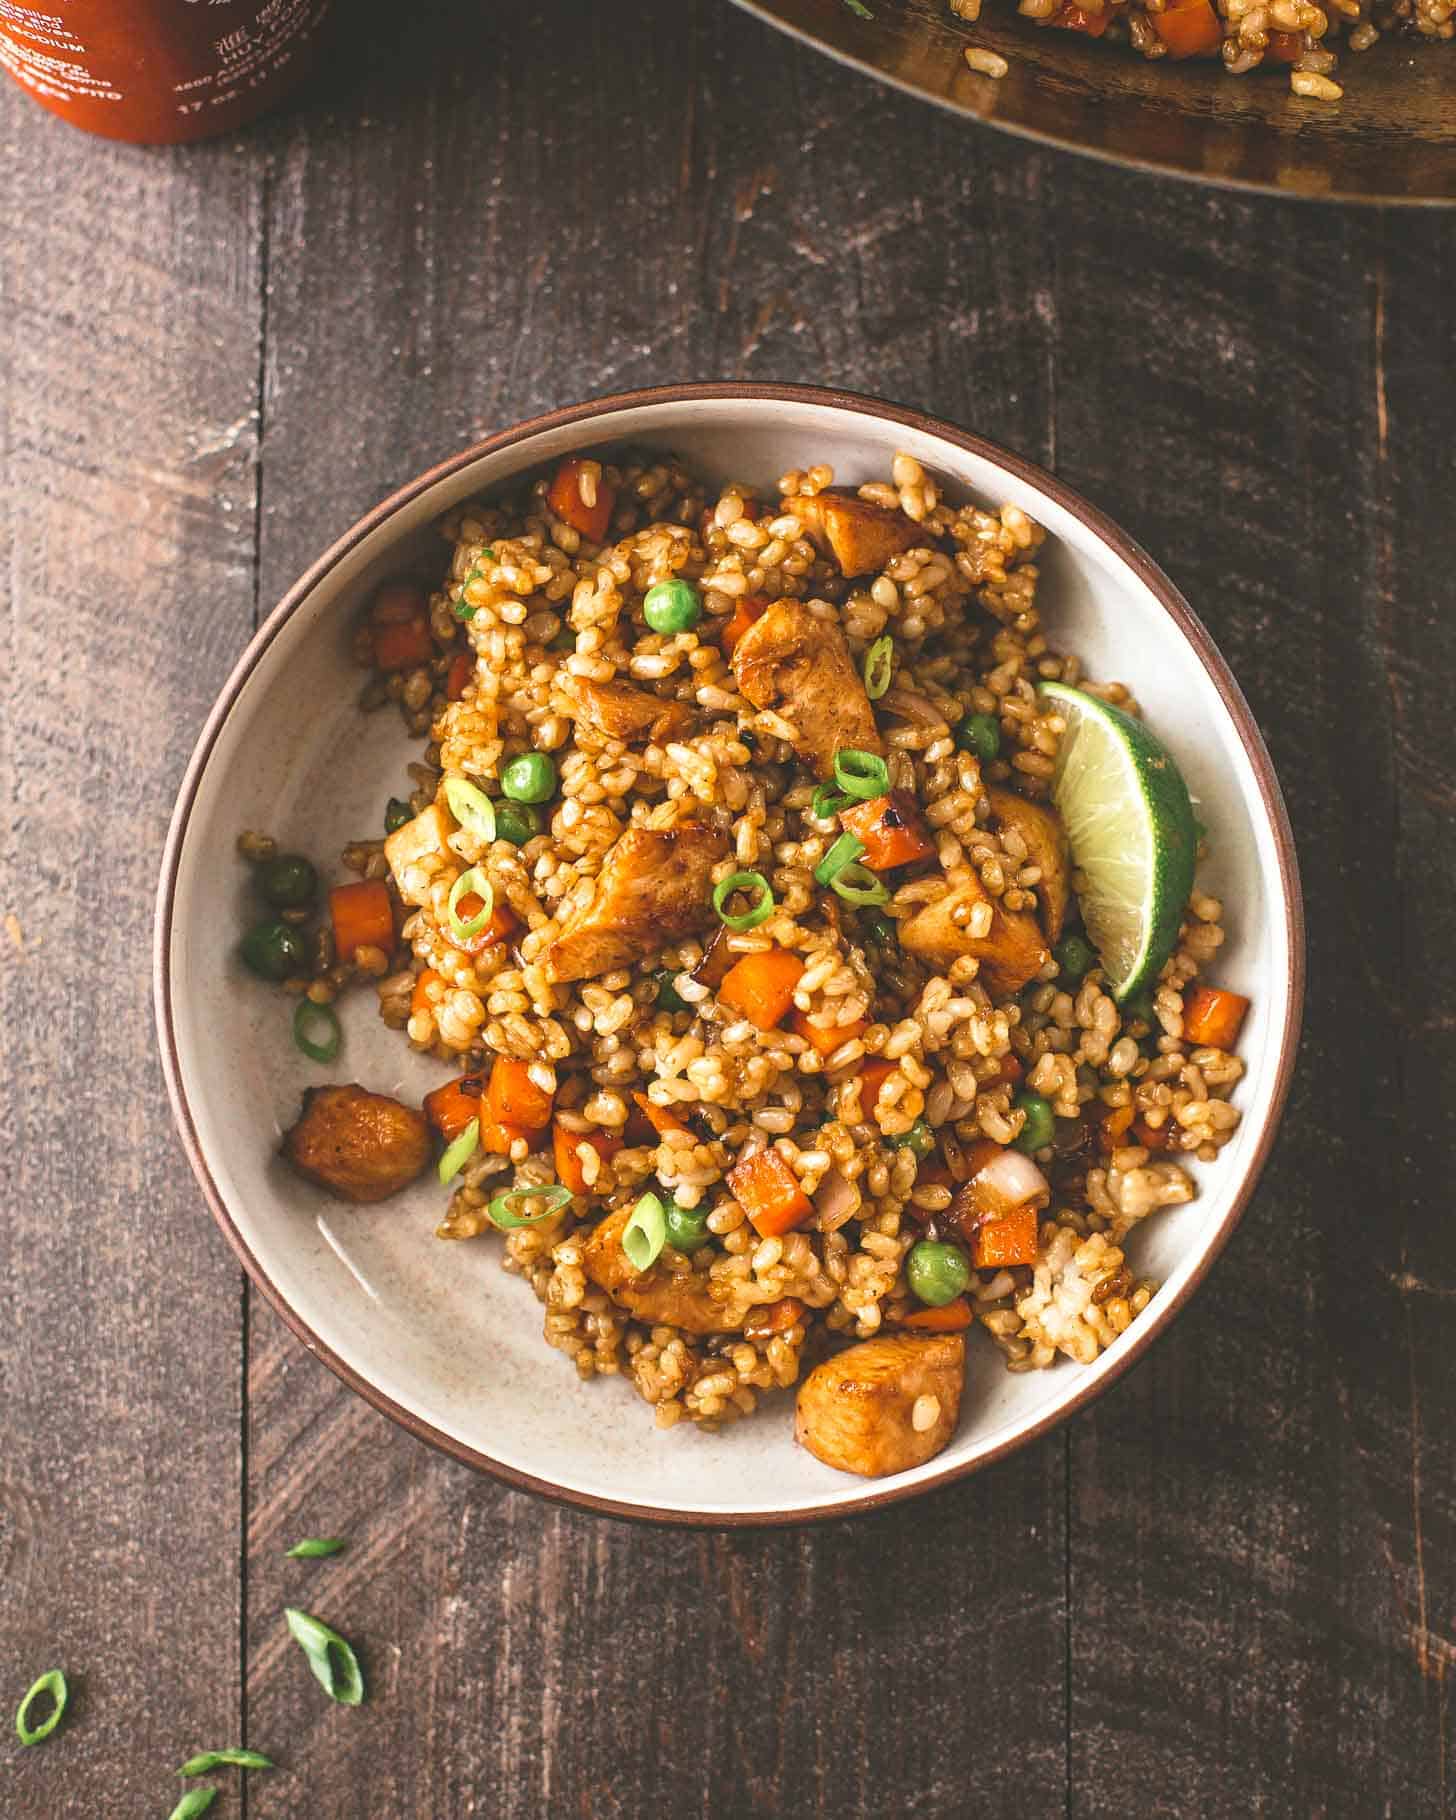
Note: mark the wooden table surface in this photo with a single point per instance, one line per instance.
(1227, 1590)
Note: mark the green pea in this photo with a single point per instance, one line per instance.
(288, 882)
(672, 606)
(1076, 957)
(687, 1227)
(981, 734)
(919, 1138)
(668, 997)
(396, 813)
(530, 777)
(937, 1273)
(1041, 1125)
(517, 822)
(274, 951)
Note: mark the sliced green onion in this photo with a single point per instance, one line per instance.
(504, 1213)
(879, 665)
(471, 807)
(645, 1234)
(862, 774)
(856, 884)
(461, 608)
(859, 9)
(209, 1760)
(54, 1685)
(476, 881)
(196, 1801)
(744, 881)
(827, 802)
(334, 1664)
(458, 1154)
(848, 847)
(309, 1021)
(314, 1548)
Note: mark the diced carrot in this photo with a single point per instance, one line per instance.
(1151, 1137)
(564, 1146)
(1012, 1070)
(513, 1098)
(872, 1074)
(1115, 1126)
(1189, 30)
(952, 1317)
(649, 1121)
(451, 1108)
(891, 830)
(565, 500)
(501, 927)
(1074, 18)
(1285, 47)
(761, 986)
(774, 1317)
(399, 627)
(420, 999)
(1212, 1017)
(458, 675)
(363, 916)
(1008, 1239)
(768, 1191)
(826, 1041)
(497, 1139)
(748, 611)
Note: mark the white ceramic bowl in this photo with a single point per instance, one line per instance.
(437, 1335)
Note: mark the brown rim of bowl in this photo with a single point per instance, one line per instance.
(1143, 1333)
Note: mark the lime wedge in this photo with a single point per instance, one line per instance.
(1130, 826)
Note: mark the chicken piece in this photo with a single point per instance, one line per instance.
(656, 1295)
(1010, 955)
(655, 886)
(798, 664)
(361, 1146)
(862, 536)
(417, 851)
(885, 1405)
(1046, 846)
(625, 713)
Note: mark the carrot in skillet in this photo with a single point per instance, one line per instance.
(513, 1098)
(1189, 30)
(951, 1317)
(774, 1317)
(650, 1121)
(564, 1146)
(826, 1041)
(747, 612)
(768, 1191)
(1212, 1017)
(564, 496)
(399, 627)
(451, 1108)
(501, 927)
(890, 830)
(458, 675)
(761, 986)
(421, 999)
(1009, 1238)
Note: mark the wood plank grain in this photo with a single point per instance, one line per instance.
(530, 1659)
(131, 294)
(1261, 1561)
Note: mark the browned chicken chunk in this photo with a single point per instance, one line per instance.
(861, 535)
(798, 664)
(625, 713)
(361, 1146)
(655, 1295)
(654, 887)
(885, 1405)
(1012, 953)
(1046, 846)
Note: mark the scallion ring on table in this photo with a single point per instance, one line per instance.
(471, 807)
(856, 884)
(845, 850)
(879, 665)
(196, 1801)
(207, 1761)
(645, 1234)
(459, 1153)
(317, 1030)
(827, 802)
(753, 883)
(53, 1685)
(503, 1209)
(334, 1664)
(315, 1548)
(862, 774)
(474, 882)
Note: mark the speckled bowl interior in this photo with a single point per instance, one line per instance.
(437, 1334)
